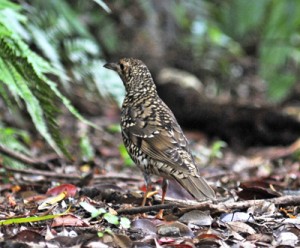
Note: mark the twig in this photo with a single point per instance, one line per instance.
(184, 203)
(123, 178)
(18, 156)
(69, 176)
(145, 209)
(44, 173)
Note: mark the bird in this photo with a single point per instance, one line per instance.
(152, 136)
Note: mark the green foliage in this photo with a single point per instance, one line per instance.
(204, 39)
(14, 139)
(114, 128)
(278, 49)
(238, 17)
(86, 148)
(125, 222)
(103, 5)
(216, 149)
(122, 222)
(112, 219)
(61, 36)
(24, 74)
(126, 158)
(272, 26)
(107, 230)
(92, 210)
(28, 219)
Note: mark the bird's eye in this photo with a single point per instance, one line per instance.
(122, 66)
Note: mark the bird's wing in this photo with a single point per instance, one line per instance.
(156, 132)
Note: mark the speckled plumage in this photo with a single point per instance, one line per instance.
(151, 134)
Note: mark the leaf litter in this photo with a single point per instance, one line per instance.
(84, 202)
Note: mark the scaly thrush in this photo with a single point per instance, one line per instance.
(151, 134)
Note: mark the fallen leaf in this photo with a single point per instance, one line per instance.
(124, 222)
(257, 190)
(196, 217)
(241, 227)
(237, 216)
(28, 236)
(287, 239)
(145, 225)
(69, 189)
(68, 220)
(51, 201)
(92, 210)
(112, 219)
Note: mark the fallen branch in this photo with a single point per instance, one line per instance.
(70, 176)
(181, 208)
(43, 173)
(145, 209)
(241, 205)
(19, 156)
(123, 178)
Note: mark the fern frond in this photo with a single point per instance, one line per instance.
(60, 28)
(15, 79)
(5, 4)
(24, 74)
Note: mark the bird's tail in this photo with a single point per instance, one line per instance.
(197, 187)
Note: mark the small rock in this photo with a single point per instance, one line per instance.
(145, 225)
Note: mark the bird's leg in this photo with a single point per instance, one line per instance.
(164, 187)
(148, 187)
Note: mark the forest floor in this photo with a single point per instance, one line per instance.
(57, 203)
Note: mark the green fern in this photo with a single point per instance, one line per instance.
(63, 38)
(24, 77)
(24, 74)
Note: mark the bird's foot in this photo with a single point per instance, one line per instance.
(146, 196)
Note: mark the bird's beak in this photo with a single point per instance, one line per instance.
(112, 66)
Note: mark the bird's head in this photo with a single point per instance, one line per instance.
(133, 72)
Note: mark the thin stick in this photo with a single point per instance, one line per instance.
(145, 209)
(19, 156)
(242, 205)
(69, 176)
(43, 173)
